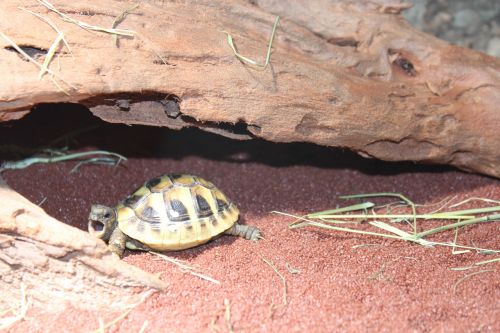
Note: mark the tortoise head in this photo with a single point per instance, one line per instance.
(102, 221)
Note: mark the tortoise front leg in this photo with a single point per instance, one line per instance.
(117, 242)
(246, 231)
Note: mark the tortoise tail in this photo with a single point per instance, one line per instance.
(246, 231)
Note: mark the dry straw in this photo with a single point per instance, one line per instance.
(186, 268)
(389, 227)
(249, 61)
(103, 326)
(19, 313)
(86, 26)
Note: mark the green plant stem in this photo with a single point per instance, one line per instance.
(387, 194)
(488, 218)
(391, 216)
(471, 211)
(33, 160)
(326, 226)
(361, 206)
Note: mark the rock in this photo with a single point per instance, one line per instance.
(469, 20)
(439, 21)
(494, 47)
(416, 14)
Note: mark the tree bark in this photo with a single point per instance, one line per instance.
(348, 74)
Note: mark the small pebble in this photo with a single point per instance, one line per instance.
(467, 19)
(466, 23)
(494, 47)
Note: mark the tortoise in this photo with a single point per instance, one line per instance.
(168, 213)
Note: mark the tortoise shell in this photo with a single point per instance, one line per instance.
(175, 212)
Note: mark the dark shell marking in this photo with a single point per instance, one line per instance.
(204, 209)
(152, 183)
(221, 205)
(149, 213)
(132, 201)
(176, 211)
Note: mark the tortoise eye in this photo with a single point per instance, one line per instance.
(107, 215)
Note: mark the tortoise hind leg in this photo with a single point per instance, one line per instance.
(246, 231)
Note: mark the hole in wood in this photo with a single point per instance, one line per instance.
(32, 51)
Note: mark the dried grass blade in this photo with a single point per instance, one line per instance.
(33, 61)
(84, 25)
(388, 194)
(20, 314)
(480, 263)
(248, 60)
(49, 22)
(483, 210)
(283, 280)
(124, 314)
(227, 316)
(50, 54)
(185, 268)
(489, 218)
(119, 19)
(461, 280)
(475, 198)
(361, 206)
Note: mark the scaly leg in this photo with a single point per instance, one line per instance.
(246, 231)
(117, 242)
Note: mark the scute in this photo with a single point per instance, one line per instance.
(175, 212)
(153, 182)
(151, 209)
(133, 200)
(205, 183)
(159, 184)
(185, 180)
(221, 205)
(203, 206)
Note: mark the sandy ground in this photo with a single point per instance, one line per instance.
(337, 287)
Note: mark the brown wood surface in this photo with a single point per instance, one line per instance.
(348, 74)
(50, 258)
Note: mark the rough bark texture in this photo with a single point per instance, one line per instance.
(58, 263)
(343, 73)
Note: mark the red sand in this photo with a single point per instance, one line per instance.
(394, 286)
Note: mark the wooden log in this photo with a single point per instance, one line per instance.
(57, 263)
(350, 74)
